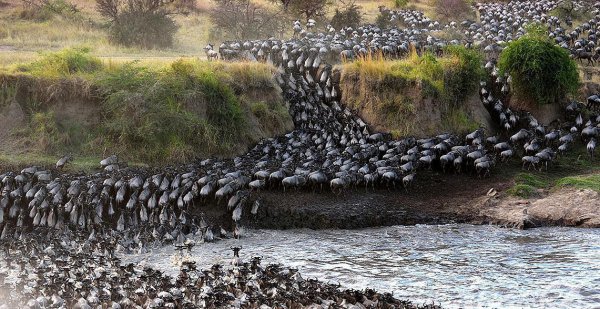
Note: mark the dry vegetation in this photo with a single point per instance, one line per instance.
(148, 112)
(22, 38)
(414, 96)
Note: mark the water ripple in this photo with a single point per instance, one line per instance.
(455, 265)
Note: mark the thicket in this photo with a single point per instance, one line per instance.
(574, 10)
(43, 10)
(349, 15)
(142, 23)
(173, 112)
(452, 9)
(542, 72)
(400, 3)
(246, 19)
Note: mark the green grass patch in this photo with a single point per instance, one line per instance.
(537, 181)
(62, 63)
(573, 170)
(527, 184)
(522, 190)
(581, 182)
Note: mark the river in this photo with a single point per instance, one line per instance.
(452, 265)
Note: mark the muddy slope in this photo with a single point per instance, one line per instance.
(438, 199)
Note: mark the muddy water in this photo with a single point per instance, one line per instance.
(455, 265)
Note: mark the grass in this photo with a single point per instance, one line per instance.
(394, 93)
(22, 37)
(152, 112)
(26, 37)
(527, 184)
(573, 170)
(581, 182)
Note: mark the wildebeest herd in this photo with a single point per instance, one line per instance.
(76, 219)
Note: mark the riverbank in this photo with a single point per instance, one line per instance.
(70, 102)
(438, 198)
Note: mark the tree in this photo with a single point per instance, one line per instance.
(309, 9)
(245, 19)
(349, 15)
(144, 23)
(284, 3)
(451, 9)
(541, 71)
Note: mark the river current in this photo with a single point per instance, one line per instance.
(452, 265)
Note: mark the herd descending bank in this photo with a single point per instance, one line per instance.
(331, 147)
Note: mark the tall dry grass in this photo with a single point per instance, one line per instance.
(152, 112)
(418, 95)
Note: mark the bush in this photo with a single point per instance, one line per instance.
(309, 9)
(526, 185)
(451, 9)
(522, 190)
(383, 19)
(349, 16)
(245, 19)
(42, 10)
(153, 110)
(44, 131)
(158, 113)
(400, 3)
(541, 71)
(573, 10)
(63, 63)
(462, 79)
(419, 95)
(581, 182)
(143, 23)
(144, 29)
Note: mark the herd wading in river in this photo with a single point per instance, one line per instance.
(60, 233)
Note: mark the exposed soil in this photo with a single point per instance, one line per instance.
(566, 207)
(436, 199)
(11, 117)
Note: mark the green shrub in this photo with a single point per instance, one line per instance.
(44, 131)
(580, 11)
(459, 121)
(153, 114)
(43, 10)
(522, 190)
(144, 29)
(542, 72)
(400, 3)
(526, 185)
(153, 109)
(349, 16)
(532, 180)
(383, 20)
(62, 63)
(260, 109)
(143, 23)
(462, 79)
(395, 93)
